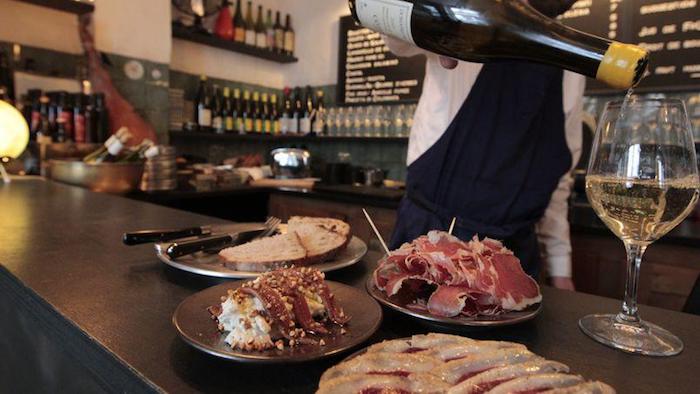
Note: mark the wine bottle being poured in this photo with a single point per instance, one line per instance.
(490, 30)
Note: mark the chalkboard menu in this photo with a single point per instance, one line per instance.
(669, 29)
(369, 73)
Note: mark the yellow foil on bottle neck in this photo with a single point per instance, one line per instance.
(619, 65)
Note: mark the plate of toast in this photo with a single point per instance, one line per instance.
(323, 243)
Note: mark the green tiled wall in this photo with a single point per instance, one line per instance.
(148, 95)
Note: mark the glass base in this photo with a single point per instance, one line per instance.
(641, 338)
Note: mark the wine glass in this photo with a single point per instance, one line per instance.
(641, 183)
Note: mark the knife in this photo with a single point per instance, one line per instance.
(148, 236)
(218, 241)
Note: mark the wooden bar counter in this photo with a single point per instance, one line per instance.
(83, 313)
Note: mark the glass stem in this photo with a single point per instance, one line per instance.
(630, 314)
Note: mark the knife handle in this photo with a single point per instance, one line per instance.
(146, 236)
(188, 247)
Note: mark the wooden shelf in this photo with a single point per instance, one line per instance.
(209, 136)
(72, 6)
(184, 33)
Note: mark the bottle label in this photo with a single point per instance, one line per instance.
(267, 127)
(79, 128)
(248, 125)
(289, 42)
(228, 123)
(293, 124)
(217, 123)
(115, 148)
(258, 125)
(305, 125)
(204, 117)
(284, 124)
(261, 40)
(250, 37)
(277, 126)
(239, 35)
(240, 125)
(392, 17)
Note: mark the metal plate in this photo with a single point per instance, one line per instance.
(209, 264)
(504, 319)
(195, 326)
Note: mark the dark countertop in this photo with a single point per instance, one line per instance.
(363, 195)
(109, 307)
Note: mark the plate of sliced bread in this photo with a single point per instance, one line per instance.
(324, 243)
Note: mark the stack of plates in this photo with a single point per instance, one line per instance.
(160, 170)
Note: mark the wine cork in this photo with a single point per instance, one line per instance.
(623, 65)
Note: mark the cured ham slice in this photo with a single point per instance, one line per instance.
(485, 381)
(584, 388)
(536, 383)
(451, 364)
(464, 368)
(479, 277)
(375, 384)
(383, 363)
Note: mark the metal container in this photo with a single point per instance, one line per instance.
(117, 178)
(291, 163)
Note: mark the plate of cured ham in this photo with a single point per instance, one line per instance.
(286, 315)
(439, 278)
(440, 363)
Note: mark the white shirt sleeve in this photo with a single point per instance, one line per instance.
(553, 229)
(402, 48)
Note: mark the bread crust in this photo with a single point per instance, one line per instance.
(264, 266)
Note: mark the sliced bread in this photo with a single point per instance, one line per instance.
(323, 238)
(266, 254)
(307, 241)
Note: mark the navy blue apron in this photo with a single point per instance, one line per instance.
(496, 166)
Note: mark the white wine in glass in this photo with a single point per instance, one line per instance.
(642, 182)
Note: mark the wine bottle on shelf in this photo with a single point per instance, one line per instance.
(260, 31)
(100, 118)
(269, 31)
(43, 133)
(266, 115)
(247, 113)
(112, 147)
(239, 124)
(250, 35)
(307, 113)
(217, 115)
(274, 115)
(224, 22)
(227, 111)
(279, 34)
(319, 123)
(506, 29)
(257, 114)
(286, 115)
(239, 27)
(289, 37)
(53, 113)
(79, 125)
(203, 106)
(64, 118)
(297, 112)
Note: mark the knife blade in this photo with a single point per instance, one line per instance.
(162, 235)
(217, 241)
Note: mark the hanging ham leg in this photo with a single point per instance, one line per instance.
(121, 112)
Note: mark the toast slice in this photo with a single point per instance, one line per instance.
(307, 241)
(323, 238)
(266, 254)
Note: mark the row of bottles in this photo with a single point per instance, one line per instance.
(65, 117)
(225, 111)
(260, 32)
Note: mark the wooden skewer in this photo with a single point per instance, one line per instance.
(452, 225)
(376, 232)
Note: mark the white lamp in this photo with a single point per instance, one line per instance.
(14, 135)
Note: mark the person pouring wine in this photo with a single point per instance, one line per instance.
(493, 144)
